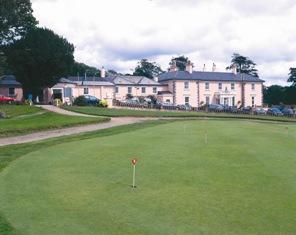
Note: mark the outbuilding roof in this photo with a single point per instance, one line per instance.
(9, 81)
(133, 80)
(208, 76)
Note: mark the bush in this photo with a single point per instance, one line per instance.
(2, 115)
(80, 101)
(103, 103)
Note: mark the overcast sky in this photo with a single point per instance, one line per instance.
(118, 33)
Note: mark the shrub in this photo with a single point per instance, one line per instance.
(80, 101)
(103, 103)
(2, 115)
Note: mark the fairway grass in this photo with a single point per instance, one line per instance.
(25, 119)
(242, 182)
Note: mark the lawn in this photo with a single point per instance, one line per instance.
(155, 113)
(243, 181)
(25, 119)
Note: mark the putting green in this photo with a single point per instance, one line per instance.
(242, 182)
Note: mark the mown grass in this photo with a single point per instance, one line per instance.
(10, 153)
(241, 182)
(25, 119)
(11, 111)
(147, 113)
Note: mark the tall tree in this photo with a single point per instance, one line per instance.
(243, 65)
(180, 62)
(80, 69)
(147, 69)
(16, 19)
(292, 76)
(39, 59)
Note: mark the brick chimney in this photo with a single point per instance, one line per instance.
(103, 72)
(189, 67)
(214, 67)
(234, 69)
(173, 67)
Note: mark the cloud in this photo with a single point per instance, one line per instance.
(119, 33)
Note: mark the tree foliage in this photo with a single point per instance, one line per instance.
(243, 65)
(16, 19)
(39, 59)
(80, 69)
(147, 69)
(275, 95)
(292, 76)
(180, 62)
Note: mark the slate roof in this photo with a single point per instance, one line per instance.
(9, 81)
(88, 81)
(133, 80)
(207, 76)
(165, 93)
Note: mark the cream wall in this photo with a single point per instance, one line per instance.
(18, 93)
(101, 92)
(257, 93)
(136, 91)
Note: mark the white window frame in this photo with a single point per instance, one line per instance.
(116, 89)
(207, 100)
(155, 90)
(207, 86)
(253, 86)
(186, 85)
(86, 89)
(233, 86)
(253, 101)
(187, 98)
(11, 94)
(143, 90)
(220, 86)
(129, 90)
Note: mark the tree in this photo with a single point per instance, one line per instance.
(243, 65)
(39, 59)
(16, 19)
(80, 69)
(273, 95)
(292, 76)
(180, 62)
(147, 69)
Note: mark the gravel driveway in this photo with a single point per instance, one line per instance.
(69, 131)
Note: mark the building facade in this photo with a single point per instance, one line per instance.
(199, 88)
(190, 87)
(9, 87)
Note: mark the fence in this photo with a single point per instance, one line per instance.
(182, 108)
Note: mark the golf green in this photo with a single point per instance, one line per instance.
(243, 181)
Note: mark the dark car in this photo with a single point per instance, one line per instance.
(275, 112)
(92, 100)
(215, 107)
(247, 109)
(259, 111)
(288, 112)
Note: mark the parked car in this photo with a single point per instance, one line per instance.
(259, 111)
(215, 107)
(275, 112)
(288, 112)
(5, 99)
(186, 107)
(91, 100)
(246, 110)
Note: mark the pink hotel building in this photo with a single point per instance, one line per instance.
(177, 87)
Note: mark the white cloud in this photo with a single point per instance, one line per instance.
(119, 33)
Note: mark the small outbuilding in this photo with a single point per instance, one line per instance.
(10, 87)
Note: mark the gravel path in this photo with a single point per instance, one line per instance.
(69, 131)
(36, 136)
(55, 109)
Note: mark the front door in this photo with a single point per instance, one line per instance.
(226, 101)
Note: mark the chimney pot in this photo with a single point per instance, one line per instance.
(214, 67)
(189, 67)
(103, 72)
